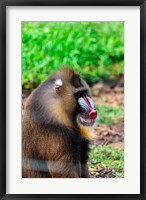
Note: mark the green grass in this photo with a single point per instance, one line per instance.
(96, 49)
(109, 114)
(105, 156)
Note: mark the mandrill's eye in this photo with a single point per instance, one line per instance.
(79, 94)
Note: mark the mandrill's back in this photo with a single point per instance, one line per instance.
(55, 128)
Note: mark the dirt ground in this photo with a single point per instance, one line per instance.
(112, 135)
(102, 94)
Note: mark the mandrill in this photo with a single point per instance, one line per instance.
(56, 120)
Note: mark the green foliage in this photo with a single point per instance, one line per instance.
(96, 49)
(109, 114)
(105, 156)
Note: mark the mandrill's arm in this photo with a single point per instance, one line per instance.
(62, 169)
(64, 156)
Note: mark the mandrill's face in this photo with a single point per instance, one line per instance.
(86, 107)
(77, 98)
(63, 98)
(89, 114)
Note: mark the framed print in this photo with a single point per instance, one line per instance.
(72, 120)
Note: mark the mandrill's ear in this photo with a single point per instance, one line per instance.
(58, 84)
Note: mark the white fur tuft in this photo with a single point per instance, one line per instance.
(58, 83)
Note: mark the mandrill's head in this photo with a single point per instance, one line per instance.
(64, 98)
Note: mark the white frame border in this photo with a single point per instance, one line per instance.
(128, 185)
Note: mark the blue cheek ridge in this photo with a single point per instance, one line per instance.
(84, 104)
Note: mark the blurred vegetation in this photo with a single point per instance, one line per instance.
(109, 114)
(96, 49)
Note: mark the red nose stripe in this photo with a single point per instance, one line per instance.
(88, 102)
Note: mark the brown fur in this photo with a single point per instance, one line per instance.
(87, 133)
(54, 144)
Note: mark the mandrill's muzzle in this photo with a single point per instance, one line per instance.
(88, 106)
